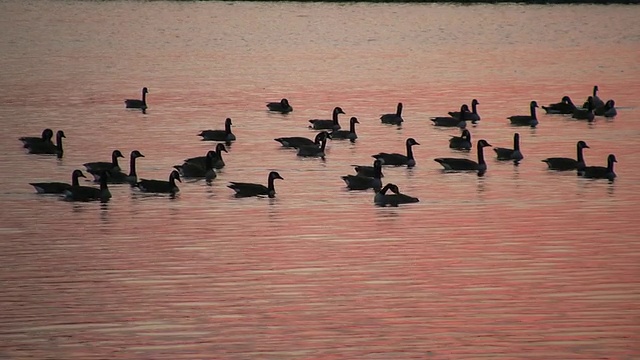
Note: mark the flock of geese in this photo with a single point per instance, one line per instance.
(365, 177)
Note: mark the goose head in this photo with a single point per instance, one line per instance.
(175, 175)
(411, 142)
(483, 143)
(582, 145)
(77, 174)
(220, 147)
(145, 90)
(116, 154)
(338, 110)
(136, 154)
(274, 175)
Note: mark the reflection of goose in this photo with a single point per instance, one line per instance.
(382, 199)
(280, 106)
(601, 172)
(219, 135)
(333, 124)
(526, 120)
(395, 119)
(137, 103)
(160, 186)
(510, 154)
(396, 159)
(57, 187)
(46, 136)
(251, 189)
(47, 147)
(564, 163)
(465, 164)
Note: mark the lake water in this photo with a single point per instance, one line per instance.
(521, 263)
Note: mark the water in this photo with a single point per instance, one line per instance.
(520, 263)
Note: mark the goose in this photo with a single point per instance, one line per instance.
(119, 177)
(473, 115)
(160, 186)
(49, 147)
(218, 162)
(595, 100)
(462, 142)
(58, 187)
(601, 172)
(298, 141)
(281, 106)
(396, 159)
(395, 119)
(450, 121)
(314, 150)
(526, 120)
(251, 189)
(191, 170)
(565, 106)
(585, 114)
(465, 164)
(359, 182)
(382, 199)
(332, 124)
(510, 154)
(608, 110)
(137, 103)
(88, 193)
(347, 134)
(28, 141)
(100, 166)
(564, 164)
(219, 135)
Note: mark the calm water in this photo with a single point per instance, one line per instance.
(521, 263)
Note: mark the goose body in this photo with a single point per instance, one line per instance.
(218, 162)
(314, 150)
(565, 164)
(58, 187)
(366, 170)
(347, 134)
(450, 121)
(510, 154)
(333, 124)
(608, 110)
(100, 166)
(28, 141)
(281, 106)
(565, 106)
(193, 170)
(396, 159)
(119, 177)
(219, 135)
(160, 186)
(473, 115)
(466, 164)
(601, 172)
(298, 141)
(462, 142)
(526, 120)
(88, 193)
(395, 119)
(250, 189)
(47, 147)
(359, 182)
(138, 103)
(396, 198)
(585, 114)
(595, 99)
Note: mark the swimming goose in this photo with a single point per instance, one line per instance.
(193, 170)
(219, 135)
(564, 164)
(58, 187)
(315, 150)
(596, 101)
(88, 193)
(526, 120)
(298, 141)
(473, 116)
(450, 121)
(601, 172)
(585, 114)
(160, 186)
(510, 154)
(462, 142)
(465, 164)
(119, 177)
(608, 110)
(49, 147)
(396, 159)
(28, 141)
(333, 124)
(565, 106)
(137, 103)
(347, 134)
(99, 166)
(281, 106)
(395, 119)
(250, 189)
(382, 199)
(218, 162)
(359, 182)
